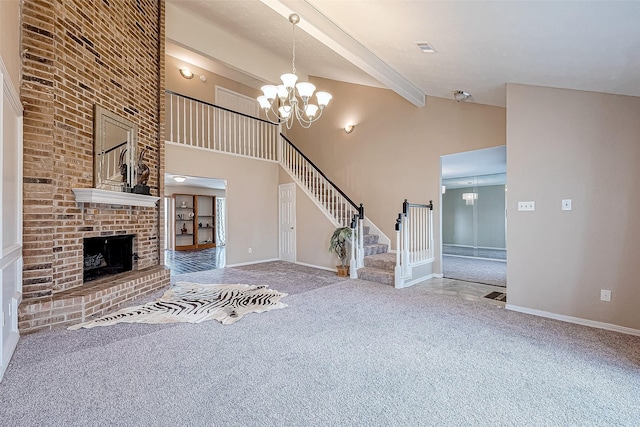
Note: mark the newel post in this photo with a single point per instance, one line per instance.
(398, 269)
(353, 268)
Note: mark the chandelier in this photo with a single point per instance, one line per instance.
(292, 98)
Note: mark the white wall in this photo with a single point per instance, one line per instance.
(584, 146)
(487, 230)
(11, 211)
(251, 197)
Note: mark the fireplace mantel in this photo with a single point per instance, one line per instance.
(94, 195)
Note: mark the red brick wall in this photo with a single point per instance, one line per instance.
(76, 54)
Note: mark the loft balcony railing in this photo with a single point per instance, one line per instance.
(203, 125)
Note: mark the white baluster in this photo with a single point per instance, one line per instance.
(431, 248)
(405, 244)
(171, 117)
(184, 119)
(209, 127)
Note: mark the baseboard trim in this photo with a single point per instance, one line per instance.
(576, 320)
(416, 281)
(317, 266)
(240, 264)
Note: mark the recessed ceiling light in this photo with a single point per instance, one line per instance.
(179, 178)
(425, 47)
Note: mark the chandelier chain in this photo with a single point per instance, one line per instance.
(293, 60)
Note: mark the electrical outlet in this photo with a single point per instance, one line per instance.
(250, 250)
(566, 204)
(526, 206)
(605, 295)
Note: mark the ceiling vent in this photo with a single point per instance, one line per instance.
(425, 47)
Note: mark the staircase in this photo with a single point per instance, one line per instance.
(378, 263)
(260, 139)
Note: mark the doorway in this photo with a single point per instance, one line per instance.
(473, 212)
(199, 259)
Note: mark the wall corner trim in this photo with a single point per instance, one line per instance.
(576, 320)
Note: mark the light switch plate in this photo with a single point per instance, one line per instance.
(605, 295)
(566, 204)
(526, 206)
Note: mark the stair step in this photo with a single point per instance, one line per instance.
(366, 229)
(384, 261)
(375, 275)
(370, 239)
(377, 248)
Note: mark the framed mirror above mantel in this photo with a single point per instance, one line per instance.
(114, 164)
(114, 151)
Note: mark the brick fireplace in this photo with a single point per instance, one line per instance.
(77, 54)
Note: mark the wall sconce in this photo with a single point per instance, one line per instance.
(186, 73)
(349, 128)
(469, 197)
(179, 178)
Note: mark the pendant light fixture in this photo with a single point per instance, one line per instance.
(283, 102)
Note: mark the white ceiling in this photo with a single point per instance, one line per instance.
(488, 165)
(481, 45)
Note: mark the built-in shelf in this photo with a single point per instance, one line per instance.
(95, 195)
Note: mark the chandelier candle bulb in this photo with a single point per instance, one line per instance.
(311, 110)
(305, 90)
(289, 80)
(323, 98)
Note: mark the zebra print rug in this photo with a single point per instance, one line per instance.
(195, 303)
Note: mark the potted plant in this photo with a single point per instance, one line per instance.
(338, 245)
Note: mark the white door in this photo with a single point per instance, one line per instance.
(11, 213)
(287, 211)
(236, 102)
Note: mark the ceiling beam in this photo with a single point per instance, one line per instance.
(328, 33)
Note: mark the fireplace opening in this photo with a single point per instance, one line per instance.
(107, 255)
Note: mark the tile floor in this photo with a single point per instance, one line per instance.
(466, 290)
(182, 262)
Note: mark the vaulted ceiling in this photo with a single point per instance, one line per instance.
(479, 45)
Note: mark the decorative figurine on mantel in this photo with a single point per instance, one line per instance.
(142, 173)
(122, 165)
(184, 229)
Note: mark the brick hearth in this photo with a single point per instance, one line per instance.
(99, 297)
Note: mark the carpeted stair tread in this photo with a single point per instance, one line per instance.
(384, 261)
(370, 239)
(374, 249)
(375, 275)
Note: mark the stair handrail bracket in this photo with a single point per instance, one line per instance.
(414, 241)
